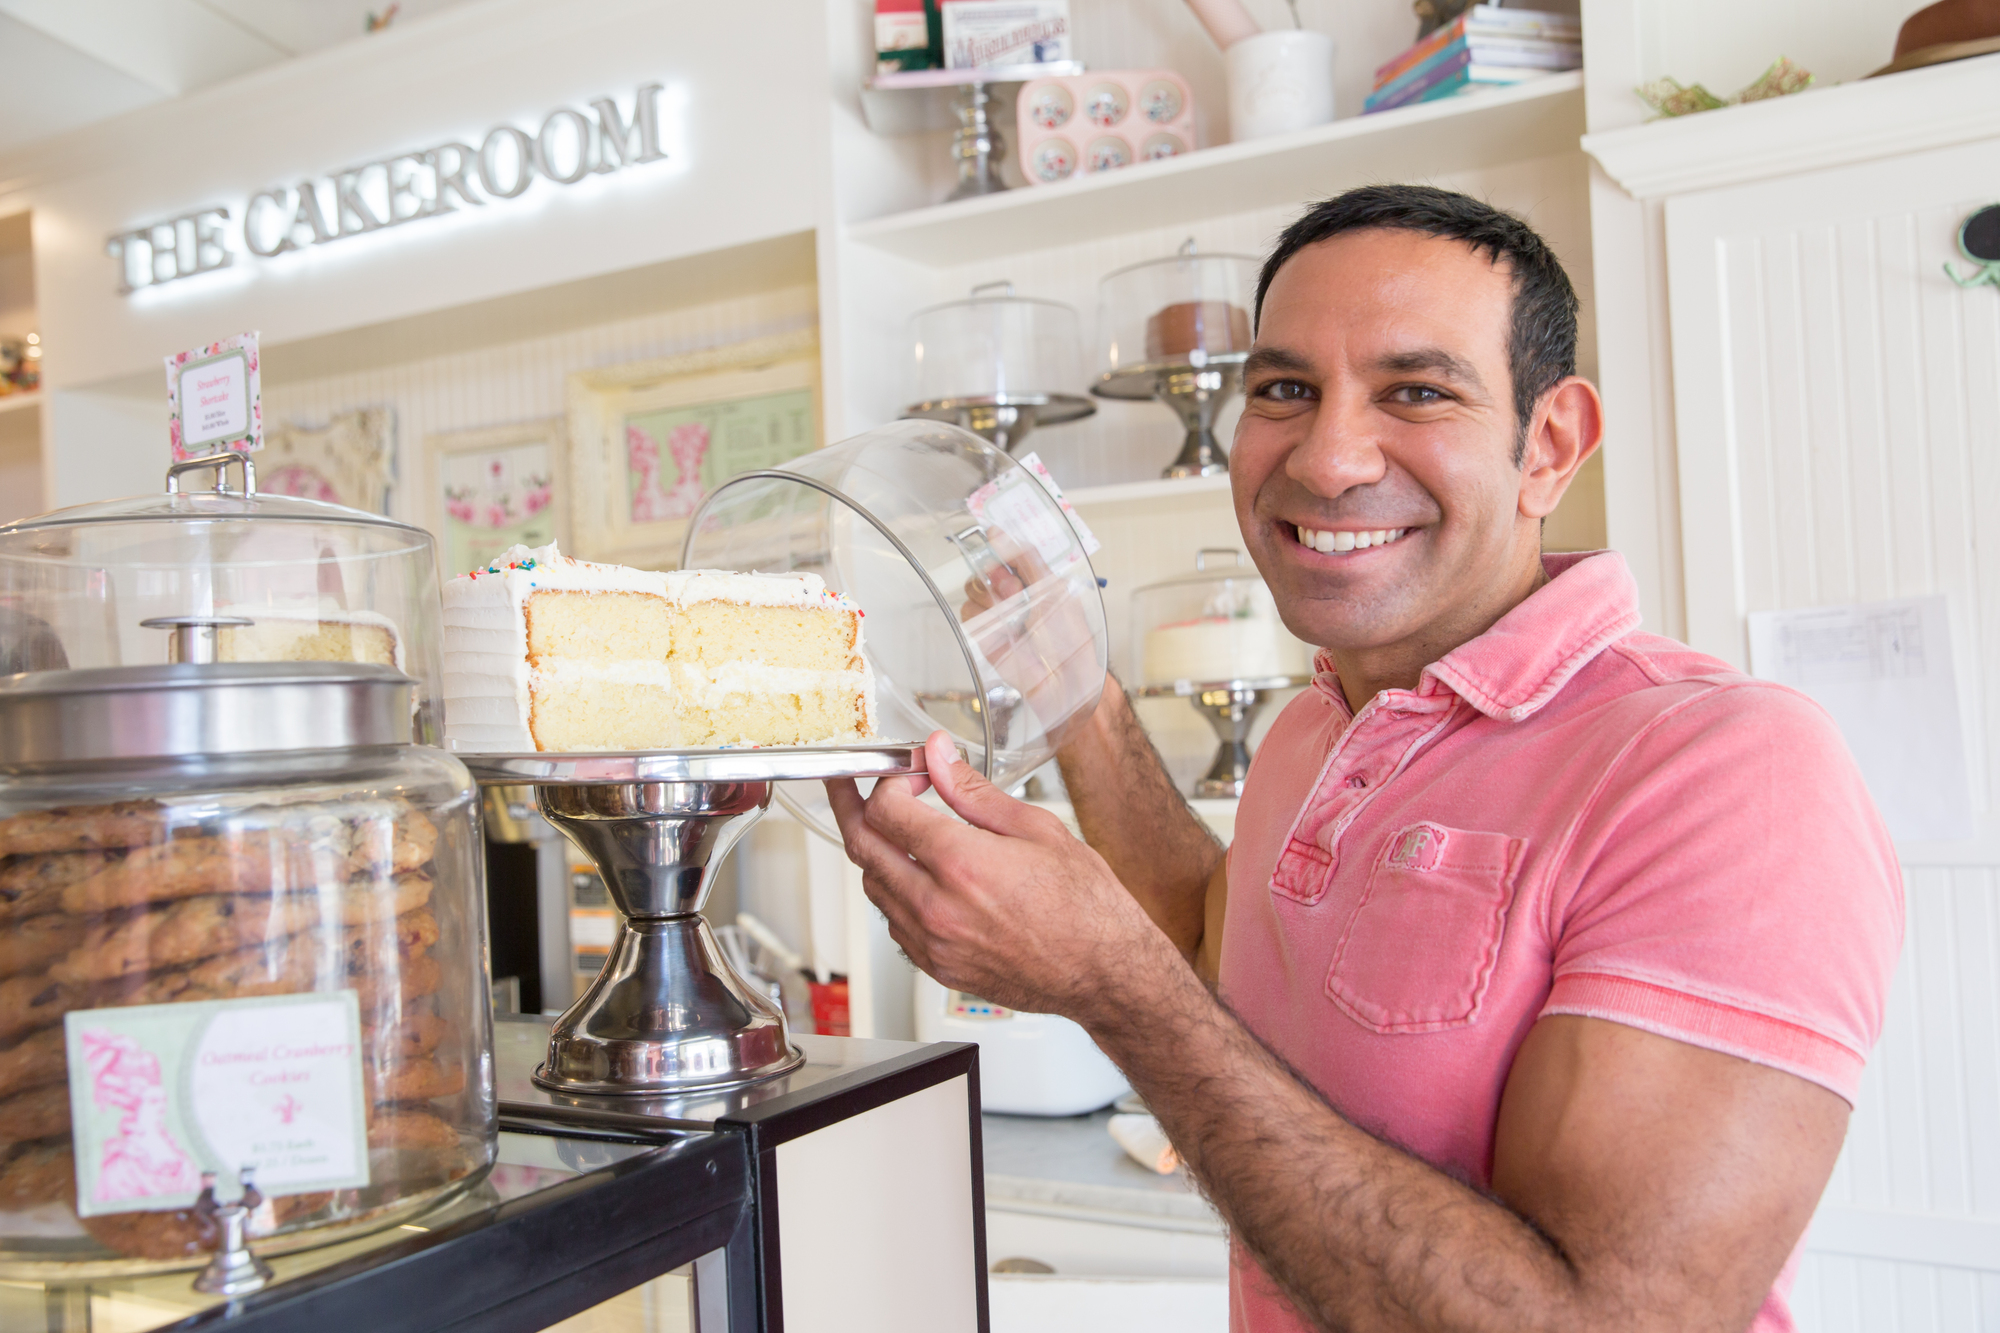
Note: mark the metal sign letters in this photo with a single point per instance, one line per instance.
(407, 187)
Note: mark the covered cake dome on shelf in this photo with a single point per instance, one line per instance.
(1178, 329)
(998, 364)
(1214, 637)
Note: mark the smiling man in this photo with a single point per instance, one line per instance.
(1549, 952)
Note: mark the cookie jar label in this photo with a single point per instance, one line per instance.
(160, 1093)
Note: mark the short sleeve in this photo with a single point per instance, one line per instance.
(1731, 885)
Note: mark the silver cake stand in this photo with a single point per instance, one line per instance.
(667, 1015)
(1231, 707)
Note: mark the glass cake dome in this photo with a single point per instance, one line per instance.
(982, 612)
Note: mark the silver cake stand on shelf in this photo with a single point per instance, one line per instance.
(1197, 391)
(667, 1015)
(1231, 707)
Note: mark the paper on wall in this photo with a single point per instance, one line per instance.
(1884, 671)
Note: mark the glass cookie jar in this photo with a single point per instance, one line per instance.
(239, 927)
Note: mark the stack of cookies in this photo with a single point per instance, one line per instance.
(146, 903)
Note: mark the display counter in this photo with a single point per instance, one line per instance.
(845, 1195)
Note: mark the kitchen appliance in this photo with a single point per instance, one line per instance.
(1214, 638)
(998, 364)
(983, 616)
(1177, 330)
(1029, 1064)
(213, 791)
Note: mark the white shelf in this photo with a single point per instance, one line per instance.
(1160, 488)
(20, 402)
(1893, 116)
(1529, 120)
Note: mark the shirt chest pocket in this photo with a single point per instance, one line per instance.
(1419, 948)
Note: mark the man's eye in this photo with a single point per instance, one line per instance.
(1417, 395)
(1285, 391)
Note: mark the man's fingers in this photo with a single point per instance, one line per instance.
(845, 798)
(916, 829)
(977, 801)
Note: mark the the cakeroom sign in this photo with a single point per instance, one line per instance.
(394, 191)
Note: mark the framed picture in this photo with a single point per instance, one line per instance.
(351, 460)
(649, 440)
(493, 488)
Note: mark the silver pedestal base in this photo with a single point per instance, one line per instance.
(1196, 394)
(1231, 707)
(667, 1016)
(666, 1013)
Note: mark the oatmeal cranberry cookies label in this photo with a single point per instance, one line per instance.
(159, 1093)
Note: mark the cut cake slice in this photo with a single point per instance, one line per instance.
(542, 652)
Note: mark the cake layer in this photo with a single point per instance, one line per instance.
(546, 653)
(287, 638)
(640, 627)
(574, 707)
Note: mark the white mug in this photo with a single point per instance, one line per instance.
(1280, 81)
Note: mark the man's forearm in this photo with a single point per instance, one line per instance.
(1359, 1234)
(1131, 813)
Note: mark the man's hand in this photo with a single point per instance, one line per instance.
(1006, 905)
(1028, 622)
(1639, 1183)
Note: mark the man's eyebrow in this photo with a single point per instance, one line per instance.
(1437, 360)
(1275, 358)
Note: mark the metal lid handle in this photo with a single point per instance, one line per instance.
(194, 637)
(1201, 556)
(219, 463)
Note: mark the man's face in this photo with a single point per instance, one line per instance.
(1373, 467)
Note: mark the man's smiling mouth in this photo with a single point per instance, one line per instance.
(1347, 539)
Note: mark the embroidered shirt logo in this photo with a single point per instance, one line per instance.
(1417, 847)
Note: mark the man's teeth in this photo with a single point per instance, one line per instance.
(1348, 541)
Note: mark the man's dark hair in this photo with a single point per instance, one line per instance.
(1541, 346)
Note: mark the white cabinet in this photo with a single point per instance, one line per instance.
(1830, 404)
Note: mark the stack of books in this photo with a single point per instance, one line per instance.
(1484, 47)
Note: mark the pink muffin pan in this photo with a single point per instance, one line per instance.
(1085, 123)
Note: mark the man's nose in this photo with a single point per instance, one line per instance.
(1340, 452)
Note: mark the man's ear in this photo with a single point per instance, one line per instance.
(1567, 428)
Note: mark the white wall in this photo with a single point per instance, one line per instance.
(522, 379)
(747, 161)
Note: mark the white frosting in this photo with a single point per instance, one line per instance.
(486, 675)
(522, 570)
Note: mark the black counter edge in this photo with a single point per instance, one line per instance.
(844, 1096)
(516, 1266)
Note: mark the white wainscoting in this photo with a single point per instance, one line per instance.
(1838, 428)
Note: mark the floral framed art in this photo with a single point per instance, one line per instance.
(649, 440)
(351, 460)
(495, 487)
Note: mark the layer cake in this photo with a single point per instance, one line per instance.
(542, 652)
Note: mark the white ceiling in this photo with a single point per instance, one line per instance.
(67, 63)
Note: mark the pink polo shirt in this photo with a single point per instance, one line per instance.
(1566, 816)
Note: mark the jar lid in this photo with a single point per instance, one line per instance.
(189, 710)
(222, 505)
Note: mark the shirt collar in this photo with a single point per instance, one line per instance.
(1510, 671)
